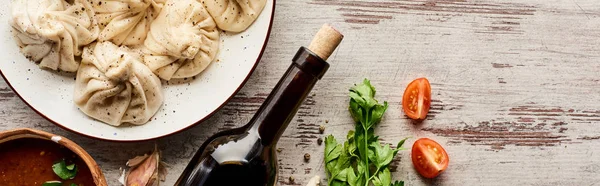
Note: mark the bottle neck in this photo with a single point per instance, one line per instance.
(281, 105)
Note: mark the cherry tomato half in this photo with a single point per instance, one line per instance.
(417, 99)
(429, 158)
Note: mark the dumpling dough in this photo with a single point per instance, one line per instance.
(53, 32)
(125, 22)
(234, 15)
(183, 40)
(115, 87)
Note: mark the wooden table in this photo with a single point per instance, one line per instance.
(515, 85)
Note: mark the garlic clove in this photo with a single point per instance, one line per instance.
(145, 170)
(162, 171)
(136, 161)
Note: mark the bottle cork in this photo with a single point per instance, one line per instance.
(326, 41)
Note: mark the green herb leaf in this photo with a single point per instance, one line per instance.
(353, 180)
(401, 143)
(378, 112)
(385, 177)
(399, 146)
(383, 155)
(63, 171)
(52, 183)
(335, 159)
(71, 167)
(332, 149)
(361, 169)
(398, 183)
(338, 183)
(361, 160)
(342, 175)
(351, 145)
(361, 139)
(72, 184)
(343, 162)
(376, 181)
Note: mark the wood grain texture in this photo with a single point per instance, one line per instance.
(515, 87)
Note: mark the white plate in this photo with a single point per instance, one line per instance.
(187, 102)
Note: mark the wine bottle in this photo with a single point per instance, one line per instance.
(246, 156)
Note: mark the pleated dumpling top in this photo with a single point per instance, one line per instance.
(53, 32)
(234, 15)
(183, 40)
(114, 86)
(126, 22)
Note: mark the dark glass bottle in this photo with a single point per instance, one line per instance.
(246, 156)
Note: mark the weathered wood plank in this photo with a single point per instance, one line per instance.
(515, 88)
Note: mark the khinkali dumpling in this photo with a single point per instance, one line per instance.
(183, 40)
(234, 15)
(53, 31)
(125, 22)
(114, 86)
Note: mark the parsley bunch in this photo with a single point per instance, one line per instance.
(361, 159)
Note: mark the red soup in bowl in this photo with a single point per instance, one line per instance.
(30, 157)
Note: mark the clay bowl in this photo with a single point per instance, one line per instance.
(95, 171)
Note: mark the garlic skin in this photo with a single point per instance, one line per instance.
(315, 181)
(122, 175)
(146, 170)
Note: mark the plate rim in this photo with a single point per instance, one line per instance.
(210, 115)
